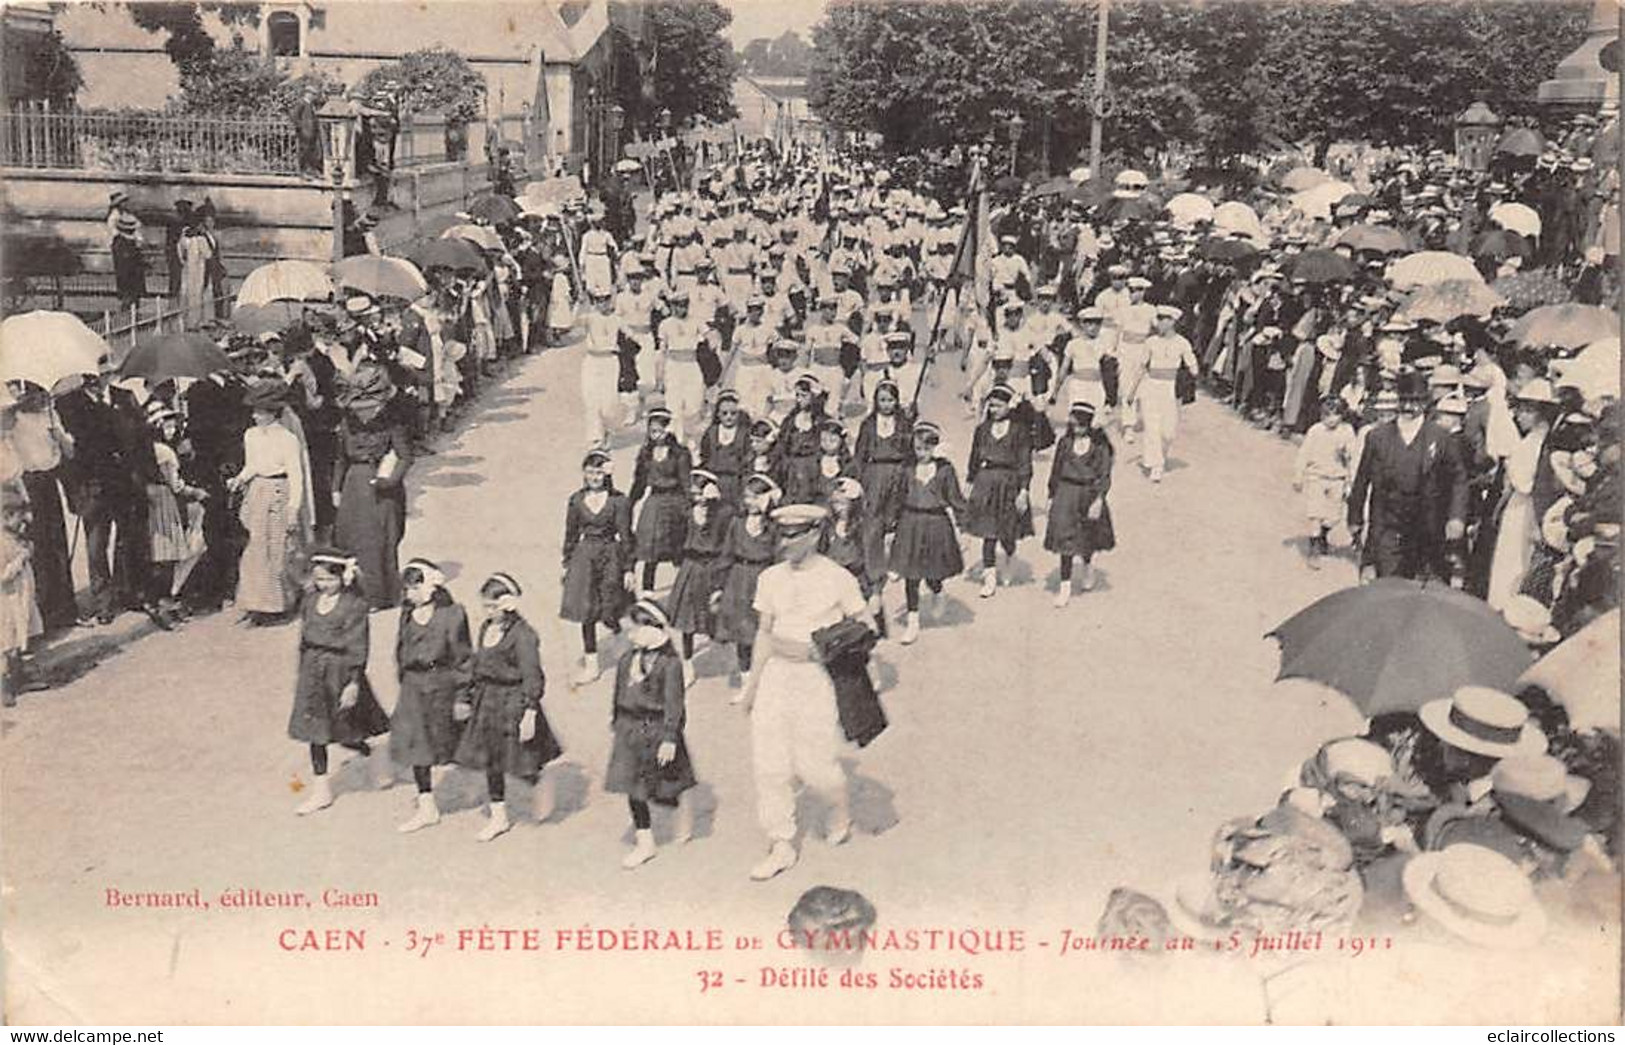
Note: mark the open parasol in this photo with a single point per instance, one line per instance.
(1379, 239)
(449, 253)
(1189, 208)
(1318, 201)
(1519, 217)
(1430, 266)
(481, 236)
(381, 276)
(1582, 674)
(1220, 248)
(1236, 216)
(1300, 178)
(168, 356)
(1501, 244)
(498, 210)
(1521, 141)
(1394, 645)
(44, 348)
(1565, 326)
(1442, 302)
(285, 281)
(1595, 371)
(1320, 266)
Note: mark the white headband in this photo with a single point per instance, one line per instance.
(432, 574)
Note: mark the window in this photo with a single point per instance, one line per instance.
(282, 34)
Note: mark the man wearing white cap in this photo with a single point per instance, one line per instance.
(1165, 352)
(601, 369)
(750, 369)
(1134, 322)
(1010, 272)
(677, 365)
(795, 722)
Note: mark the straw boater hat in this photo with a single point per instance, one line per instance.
(128, 223)
(1537, 794)
(1484, 721)
(1476, 894)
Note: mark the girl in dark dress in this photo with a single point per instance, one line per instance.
(432, 652)
(843, 538)
(700, 576)
(750, 548)
(333, 703)
(764, 458)
(506, 731)
(649, 761)
(800, 442)
(1080, 521)
(881, 459)
(662, 473)
(725, 447)
(926, 545)
(834, 460)
(598, 554)
(999, 471)
(375, 450)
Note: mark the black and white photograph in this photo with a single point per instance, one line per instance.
(823, 512)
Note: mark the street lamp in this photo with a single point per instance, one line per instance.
(338, 118)
(1017, 124)
(617, 116)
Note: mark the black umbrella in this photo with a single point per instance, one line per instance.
(498, 210)
(452, 253)
(174, 355)
(1501, 244)
(1218, 248)
(1321, 266)
(1521, 141)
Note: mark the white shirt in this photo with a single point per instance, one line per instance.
(273, 450)
(802, 601)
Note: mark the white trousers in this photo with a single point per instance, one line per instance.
(599, 376)
(795, 734)
(754, 382)
(685, 395)
(1159, 414)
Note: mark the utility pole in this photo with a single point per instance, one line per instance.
(1097, 107)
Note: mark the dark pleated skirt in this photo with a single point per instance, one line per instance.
(690, 602)
(317, 717)
(594, 583)
(991, 511)
(490, 738)
(1070, 531)
(636, 772)
(662, 527)
(423, 730)
(737, 618)
(926, 547)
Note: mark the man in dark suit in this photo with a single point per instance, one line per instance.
(1416, 480)
(97, 482)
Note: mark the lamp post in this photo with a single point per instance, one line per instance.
(1017, 125)
(338, 117)
(590, 171)
(615, 117)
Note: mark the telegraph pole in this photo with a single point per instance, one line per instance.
(1098, 102)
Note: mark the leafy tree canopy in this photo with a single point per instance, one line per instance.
(437, 79)
(785, 55)
(684, 64)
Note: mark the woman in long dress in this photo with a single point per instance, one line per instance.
(375, 450)
(40, 444)
(333, 702)
(1519, 526)
(196, 251)
(272, 482)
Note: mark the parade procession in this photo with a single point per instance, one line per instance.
(471, 477)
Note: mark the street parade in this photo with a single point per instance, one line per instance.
(809, 460)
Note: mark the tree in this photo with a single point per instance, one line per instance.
(437, 79)
(239, 83)
(785, 55)
(687, 65)
(1221, 76)
(48, 71)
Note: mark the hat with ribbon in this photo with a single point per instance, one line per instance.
(269, 396)
(1484, 721)
(1537, 794)
(794, 520)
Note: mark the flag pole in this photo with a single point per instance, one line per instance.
(954, 279)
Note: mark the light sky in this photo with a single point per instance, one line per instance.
(754, 18)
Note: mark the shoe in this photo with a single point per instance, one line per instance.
(1063, 595)
(990, 583)
(688, 674)
(428, 815)
(779, 859)
(1156, 475)
(643, 850)
(911, 630)
(321, 796)
(1087, 580)
(590, 670)
(839, 829)
(496, 826)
